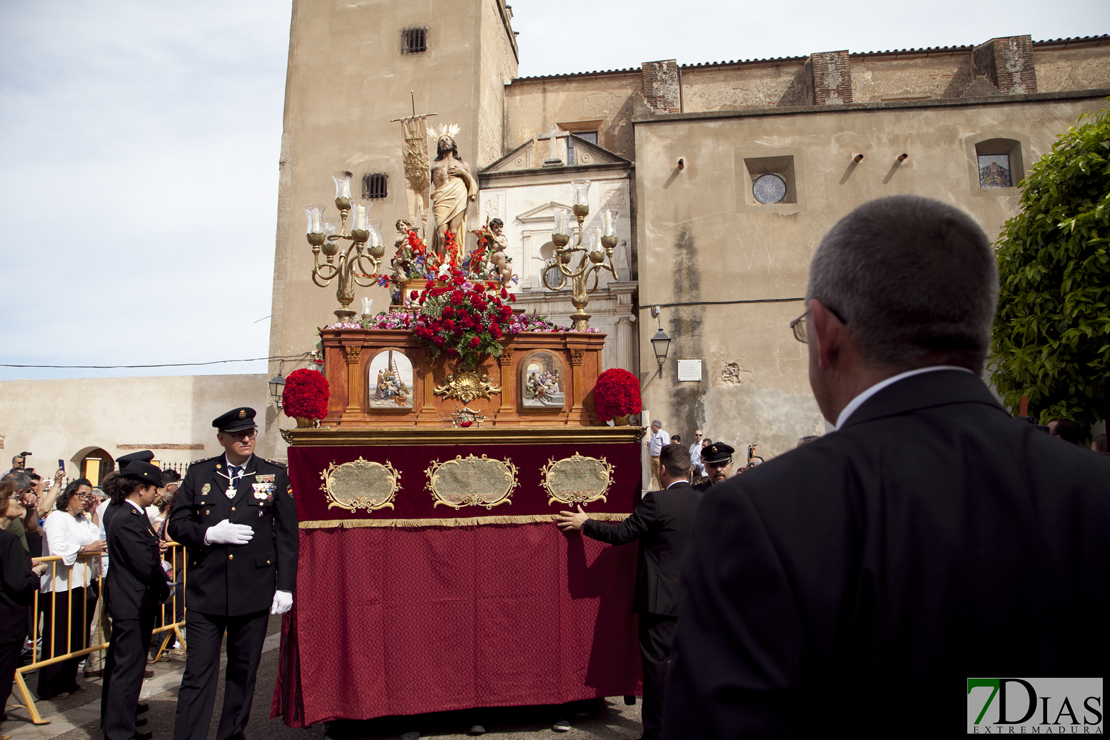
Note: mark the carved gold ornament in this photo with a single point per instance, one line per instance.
(361, 485)
(472, 481)
(577, 479)
(466, 386)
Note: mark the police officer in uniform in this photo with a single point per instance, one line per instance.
(138, 586)
(717, 459)
(236, 516)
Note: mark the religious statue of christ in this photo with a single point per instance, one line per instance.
(454, 187)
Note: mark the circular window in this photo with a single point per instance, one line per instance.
(769, 189)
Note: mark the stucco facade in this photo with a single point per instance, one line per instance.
(171, 416)
(677, 149)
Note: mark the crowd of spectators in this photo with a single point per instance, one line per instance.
(40, 518)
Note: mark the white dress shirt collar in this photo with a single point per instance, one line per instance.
(858, 401)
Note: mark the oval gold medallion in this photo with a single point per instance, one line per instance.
(472, 481)
(361, 484)
(577, 479)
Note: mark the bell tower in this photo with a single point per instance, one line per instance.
(354, 68)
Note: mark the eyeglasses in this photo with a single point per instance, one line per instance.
(798, 325)
(242, 436)
(697, 435)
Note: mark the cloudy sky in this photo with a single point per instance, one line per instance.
(139, 145)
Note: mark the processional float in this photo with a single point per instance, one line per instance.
(431, 575)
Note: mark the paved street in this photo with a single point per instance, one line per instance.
(77, 718)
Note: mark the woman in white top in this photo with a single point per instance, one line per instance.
(70, 586)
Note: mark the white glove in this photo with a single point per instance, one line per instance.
(283, 602)
(226, 533)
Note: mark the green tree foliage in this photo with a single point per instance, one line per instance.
(1051, 340)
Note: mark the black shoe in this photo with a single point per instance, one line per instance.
(140, 708)
(140, 722)
(143, 735)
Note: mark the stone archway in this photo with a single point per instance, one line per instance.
(93, 463)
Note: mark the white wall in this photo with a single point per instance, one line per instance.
(64, 418)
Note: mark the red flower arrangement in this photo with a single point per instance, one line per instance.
(306, 394)
(617, 393)
(463, 318)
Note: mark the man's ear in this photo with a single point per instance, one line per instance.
(662, 471)
(828, 334)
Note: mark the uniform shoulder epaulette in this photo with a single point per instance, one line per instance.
(275, 463)
(198, 462)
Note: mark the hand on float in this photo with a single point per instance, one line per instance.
(226, 533)
(568, 521)
(283, 602)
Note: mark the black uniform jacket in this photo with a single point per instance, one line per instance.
(17, 588)
(136, 581)
(858, 581)
(236, 579)
(662, 523)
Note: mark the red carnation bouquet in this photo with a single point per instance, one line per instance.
(617, 393)
(306, 394)
(462, 317)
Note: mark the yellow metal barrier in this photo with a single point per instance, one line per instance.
(169, 624)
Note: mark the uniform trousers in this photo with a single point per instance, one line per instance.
(123, 676)
(656, 634)
(197, 697)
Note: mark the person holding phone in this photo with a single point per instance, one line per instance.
(72, 532)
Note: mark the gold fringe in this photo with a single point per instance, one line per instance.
(462, 522)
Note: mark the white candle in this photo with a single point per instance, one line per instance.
(561, 222)
(597, 238)
(608, 222)
(316, 222)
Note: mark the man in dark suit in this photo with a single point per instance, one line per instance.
(857, 582)
(236, 515)
(138, 586)
(662, 523)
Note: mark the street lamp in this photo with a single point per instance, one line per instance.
(660, 343)
(277, 387)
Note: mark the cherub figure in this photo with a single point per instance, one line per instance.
(497, 258)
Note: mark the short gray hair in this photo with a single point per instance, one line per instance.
(657, 423)
(19, 479)
(916, 281)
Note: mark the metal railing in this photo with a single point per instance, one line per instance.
(168, 623)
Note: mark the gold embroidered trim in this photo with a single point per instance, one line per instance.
(577, 479)
(461, 522)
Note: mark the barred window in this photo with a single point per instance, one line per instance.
(414, 40)
(374, 186)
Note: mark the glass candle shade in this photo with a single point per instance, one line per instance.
(330, 225)
(375, 228)
(315, 213)
(374, 240)
(342, 189)
(581, 193)
(609, 222)
(561, 235)
(360, 211)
